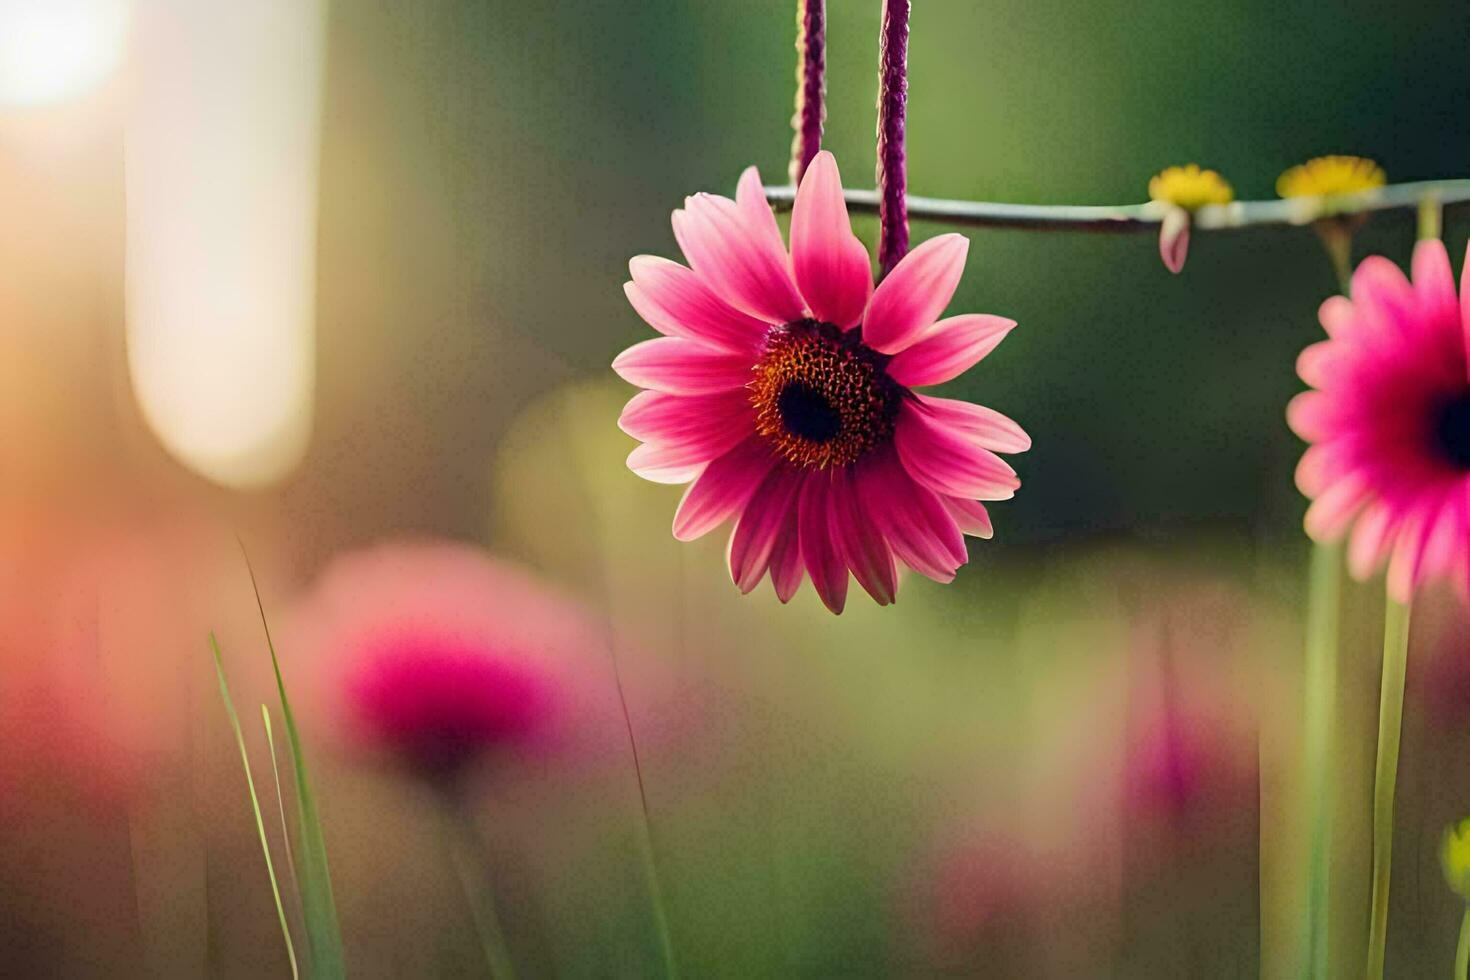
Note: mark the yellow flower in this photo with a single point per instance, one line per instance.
(1454, 857)
(1190, 187)
(1328, 175)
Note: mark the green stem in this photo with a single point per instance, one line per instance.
(1385, 774)
(1337, 239)
(1462, 951)
(1324, 590)
(1431, 217)
(474, 881)
(645, 836)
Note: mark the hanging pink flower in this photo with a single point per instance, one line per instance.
(782, 392)
(1389, 423)
(435, 656)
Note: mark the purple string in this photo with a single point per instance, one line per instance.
(893, 93)
(811, 85)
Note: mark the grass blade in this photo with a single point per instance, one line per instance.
(319, 907)
(224, 690)
(270, 741)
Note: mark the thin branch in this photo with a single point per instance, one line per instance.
(1453, 195)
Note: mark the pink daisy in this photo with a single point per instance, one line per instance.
(783, 389)
(436, 657)
(1389, 423)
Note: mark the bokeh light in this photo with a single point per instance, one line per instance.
(54, 50)
(222, 156)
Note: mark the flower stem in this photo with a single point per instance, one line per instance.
(1462, 951)
(645, 837)
(1337, 239)
(1431, 217)
(1324, 590)
(893, 94)
(1385, 774)
(474, 882)
(811, 85)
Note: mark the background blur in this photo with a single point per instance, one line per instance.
(1081, 759)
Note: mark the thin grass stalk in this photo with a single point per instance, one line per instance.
(645, 838)
(473, 876)
(1324, 591)
(265, 847)
(270, 741)
(319, 906)
(1385, 775)
(1462, 950)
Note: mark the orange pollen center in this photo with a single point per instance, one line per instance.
(821, 397)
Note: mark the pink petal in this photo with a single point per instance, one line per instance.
(786, 568)
(831, 264)
(682, 432)
(819, 550)
(736, 260)
(1333, 510)
(1314, 364)
(1309, 415)
(750, 198)
(1465, 300)
(682, 367)
(653, 416)
(1369, 544)
(1174, 239)
(1336, 315)
(970, 515)
(672, 462)
(1446, 537)
(862, 545)
(919, 529)
(949, 349)
(1383, 297)
(722, 489)
(949, 464)
(1405, 565)
(674, 301)
(915, 293)
(755, 537)
(1434, 282)
(1324, 463)
(984, 426)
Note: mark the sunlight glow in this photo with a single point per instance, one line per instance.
(53, 50)
(222, 159)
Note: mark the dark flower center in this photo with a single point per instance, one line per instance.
(822, 397)
(807, 414)
(1452, 430)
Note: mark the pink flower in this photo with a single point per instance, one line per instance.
(783, 390)
(1389, 423)
(65, 741)
(436, 656)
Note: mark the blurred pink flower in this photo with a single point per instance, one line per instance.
(437, 657)
(1389, 423)
(782, 390)
(65, 743)
(985, 884)
(1190, 748)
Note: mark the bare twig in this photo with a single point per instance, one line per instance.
(1452, 195)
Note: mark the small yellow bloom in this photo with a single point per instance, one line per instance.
(1454, 857)
(1328, 175)
(1190, 187)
